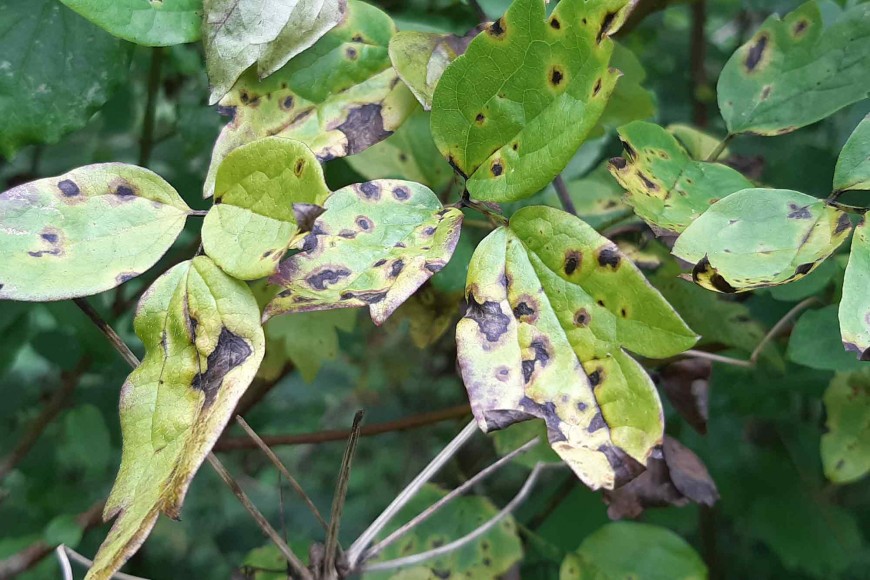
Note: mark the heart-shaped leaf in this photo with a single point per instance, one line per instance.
(853, 165)
(855, 303)
(145, 22)
(846, 445)
(85, 231)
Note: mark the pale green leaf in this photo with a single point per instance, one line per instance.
(203, 344)
(855, 303)
(853, 166)
(85, 231)
(794, 71)
(665, 186)
(511, 112)
(697, 143)
(551, 305)
(846, 445)
(374, 246)
(757, 238)
(146, 22)
(252, 222)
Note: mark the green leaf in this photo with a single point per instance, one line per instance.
(63, 529)
(551, 305)
(846, 445)
(633, 550)
(853, 165)
(539, 86)
(815, 342)
(630, 101)
(665, 186)
(57, 70)
(757, 238)
(794, 71)
(855, 303)
(239, 33)
(813, 283)
(86, 443)
(598, 198)
(252, 222)
(85, 231)
(488, 556)
(146, 22)
(698, 144)
(203, 344)
(374, 246)
(518, 434)
(309, 339)
(357, 104)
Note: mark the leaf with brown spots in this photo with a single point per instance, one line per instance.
(853, 165)
(85, 231)
(203, 344)
(551, 306)
(665, 186)
(796, 71)
(855, 303)
(510, 113)
(757, 238)
(375, 245)
(846, 445)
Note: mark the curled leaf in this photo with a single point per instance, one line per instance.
(854, 313)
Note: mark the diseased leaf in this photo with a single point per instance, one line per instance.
(85, 231)
(374, 246)
(57, 69)
(846, 445)
(795, 71)
(146, 22)
(551, 305)
(203, 344)
(338, 97)
(665, 186)
(252, 222)
(853, 165)
(757, 238)
(855, 304)
(539, 86)
(815, 342)
(698, 144)
(239, 33)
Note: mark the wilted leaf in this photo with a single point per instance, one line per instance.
(853, 165)
(57, 70)
(488, 556)
(253, 221)
(846, 445)
(687, 386)
(855, 303)
(539, 86)
(815, 342)
(375, 245)
(203, 344)
(551, 305)
(698, 144)
(665, 186)
(146, 22)
(85, 231)
(757, 238)
(239, 33)
(794, 72)
(360, 102)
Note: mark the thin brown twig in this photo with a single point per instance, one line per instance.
(107, 330)
(338, 500)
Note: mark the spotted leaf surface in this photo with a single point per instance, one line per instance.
(846, 445)
(203, 344)
(145, 22)
(85, 231)
(853, 165)
(796, 71)
(240, 33)
(511, 111)
(374, 246)
(855, 304)
(551, 306)
(665, 186)
(338, 97)
(253, 220)
(757, 238)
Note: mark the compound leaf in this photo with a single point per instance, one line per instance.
(85, 231)
(846, 445)
(757, 238)
(253, 221)
(855, 303)
(853, 166)
(203, 344)
(794, 72)
(144, 22)
(374, 246)
(539, 86)
(551, 305)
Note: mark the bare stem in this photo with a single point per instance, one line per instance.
(718, 358)
(564, 195)
(720, 148)
(107, 330)
(63, 560)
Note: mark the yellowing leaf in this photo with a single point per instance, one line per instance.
(551, 306)
(853, 165)
(203, 341)
(846, 445)
(85, 231)
(855, 304)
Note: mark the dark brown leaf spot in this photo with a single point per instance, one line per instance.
(225, 111)
(646, 181)
(608, 257)
(401, 193)
(496, 168)
(370, 190)
(573, 260)
(68, 188)
(299, 167)
(124, 191)
(605, 25)
(434, 267)
(799, 27)
(364, 223)
(231, 351)
(380, 262)
(286, 103)
(347, 234)
(596, 376)
(799, 212)
(268, 253)
(719, 283)
(369, 297)
(804, 268)
(49, 237)
(542, 355)
(396, 268)
(525, 308)
(480, 118)
(582, 318)
(597, 88)
(364, 127)
(596, 423)
(125, 276)
(555, 24)
(618, 162)
(497, 29)
(556, 76)
(756, 52)
(491, 321)
(351, 53)
(765, 92)
(325, 276)
(843, 223)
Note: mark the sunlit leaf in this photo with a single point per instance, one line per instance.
(252, 223)
(85, 231)
(853, 165)
(539, 86)
(375, 245)
(796, 71)
(761, 237)
(846, 445)
(698, 144)
(203, 344)
(551, 305)
(855, 303)
(146, 22)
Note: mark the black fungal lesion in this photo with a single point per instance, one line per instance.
(496, 168)
(605, 26)
(69, 188)
(368, 297)
(541, 350)
(227, 111)
(618, 163)
(401, 193)
(363, 127)
(434, 266)
(299, 167)
(804, 269)
(125, 276)
(351, 53)
(597, 423)
(582, 318)
(796, 212)
(396, 268)
(497, 29)
(124, 190)
(370, 191)
(526, 309)
(647, 182)
(230, 352)
(573, 261)
(597, 87)
(364, 223)
(756, 52)
(557, 75)
(609, 257)
(704, 268)
(347, 234)
(480, 118)
(843, 223)
(491, 321)
(380, 262)
(286, 103)
(596, 377)
(800, 27)
(555, 24)
(326, 276)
